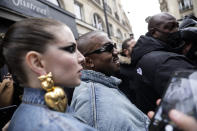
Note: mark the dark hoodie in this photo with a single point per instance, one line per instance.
(146, 44)
(153, 63)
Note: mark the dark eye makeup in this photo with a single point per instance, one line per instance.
(71, 48)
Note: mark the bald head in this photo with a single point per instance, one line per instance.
(158, 19)
(99, 51)
(90, 41)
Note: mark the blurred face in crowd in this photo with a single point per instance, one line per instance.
(130, 44)
(104, 56)
(162, 25)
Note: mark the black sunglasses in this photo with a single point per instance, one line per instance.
(108, 47)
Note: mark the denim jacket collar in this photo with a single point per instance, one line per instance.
(33, 96)
(90, 75)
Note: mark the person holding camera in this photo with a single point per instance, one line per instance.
(182, 121)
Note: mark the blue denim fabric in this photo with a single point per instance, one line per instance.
(100, 103)
(34, 115)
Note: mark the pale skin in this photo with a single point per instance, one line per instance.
(65, 66)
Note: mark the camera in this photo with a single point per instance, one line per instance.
(180, 94)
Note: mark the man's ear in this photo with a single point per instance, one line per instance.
(88, 62)
(35, 62)
(152, 31)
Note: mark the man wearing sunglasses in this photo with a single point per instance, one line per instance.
(155, 58)
(98, 101)
(101, 54)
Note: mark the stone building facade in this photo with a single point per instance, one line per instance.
(90, 16)
(179, 8)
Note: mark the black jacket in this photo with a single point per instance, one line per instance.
(124, 74)
(152, 64)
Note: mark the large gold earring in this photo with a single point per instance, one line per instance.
(55, 97)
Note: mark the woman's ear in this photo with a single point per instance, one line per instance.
(88, 63)
(35, 62)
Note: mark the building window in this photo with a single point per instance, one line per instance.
(98, 1)
(160, 1)
(108, 8)
(78, 11)
(98, 22)
(111, 30)
(163, 5)
(123, 22)
(119, 34)
(55, 2)
(185, 5)
(117, 17)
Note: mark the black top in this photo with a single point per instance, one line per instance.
(153, 63)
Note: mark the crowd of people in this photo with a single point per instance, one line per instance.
(59, 83)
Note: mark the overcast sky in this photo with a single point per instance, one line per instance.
(137, 11)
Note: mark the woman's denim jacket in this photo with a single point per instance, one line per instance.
(34, 115)
(99, 102)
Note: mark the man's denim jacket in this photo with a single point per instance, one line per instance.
(34, 115)
(99, 102)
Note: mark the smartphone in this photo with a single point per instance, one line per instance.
(6, 114)
(180, 94)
